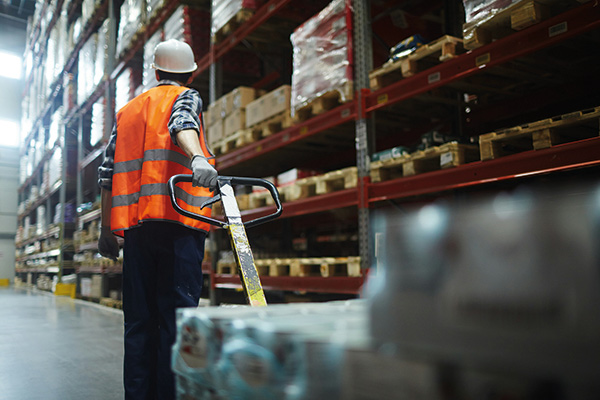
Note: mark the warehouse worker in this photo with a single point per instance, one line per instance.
(157, 135)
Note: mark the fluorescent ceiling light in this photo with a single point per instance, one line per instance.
(10, 65)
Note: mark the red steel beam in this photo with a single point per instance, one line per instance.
(583, 153)
(554, 30)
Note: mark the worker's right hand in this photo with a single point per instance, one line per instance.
(107, 244)
(204, 174)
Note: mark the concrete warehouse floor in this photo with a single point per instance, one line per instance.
(58, 348)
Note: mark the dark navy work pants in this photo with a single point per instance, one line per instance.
(161, 272)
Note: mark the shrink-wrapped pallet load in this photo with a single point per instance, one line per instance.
(322, 55)
(223, 11)
(278, 352)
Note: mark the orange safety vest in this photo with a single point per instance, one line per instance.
(145, 159)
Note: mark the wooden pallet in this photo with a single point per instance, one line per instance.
(513, 18)
(316, 266)
(325, 102)
(108, 302)
(235, 22)
(273, 125)
(235, 141)
(440, 50)
(227, 267)
(300, 267)
(321, 184)
(260, 199)
(434, 158)
(541, 134)
(440, 157)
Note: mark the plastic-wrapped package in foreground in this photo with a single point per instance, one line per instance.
(509, 284)
(264, 353)
(322, 55)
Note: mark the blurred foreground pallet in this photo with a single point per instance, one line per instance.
(300, 267)
(435, 158)
(541, 134)
(424, 57)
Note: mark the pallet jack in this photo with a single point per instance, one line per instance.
(235, 226)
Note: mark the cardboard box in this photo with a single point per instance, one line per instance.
(254, 112)
(235, 122)
(269, 105)
(530, 13)
(238, 98)
(213, 114)
(96, 289)
(86, 287)
(214, 133)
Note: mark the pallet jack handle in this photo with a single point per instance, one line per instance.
(224, 180)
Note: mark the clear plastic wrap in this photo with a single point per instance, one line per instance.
(86, 69)
(148, 74)
(101, 55)
(87, 10)
(277, 352)
(55, 129)
(152, 7)
(123, 89)
(481, 10)
(132, 20)
(322, 55)
(97, 123)
(478, 13)
(224, 10)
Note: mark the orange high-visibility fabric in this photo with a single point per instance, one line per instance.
(145, 159)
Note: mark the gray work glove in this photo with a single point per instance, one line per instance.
(107, 244)
(204, 174)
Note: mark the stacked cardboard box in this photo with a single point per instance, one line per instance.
(268, 106)
(227, 115)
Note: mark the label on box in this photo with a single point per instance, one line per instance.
(446, 158)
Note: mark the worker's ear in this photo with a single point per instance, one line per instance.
(189, 80)
(156, 75)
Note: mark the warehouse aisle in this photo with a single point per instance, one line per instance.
(58, 348)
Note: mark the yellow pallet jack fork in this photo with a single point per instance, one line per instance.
(235, 226)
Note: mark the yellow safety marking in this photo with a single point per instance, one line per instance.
(245, 261)
(304, 130)
(382, 98)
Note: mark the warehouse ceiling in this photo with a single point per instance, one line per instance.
(16, 10)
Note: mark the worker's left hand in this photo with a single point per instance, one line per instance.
(204, 174)
(107, 244)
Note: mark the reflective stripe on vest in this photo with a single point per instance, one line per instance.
(145, 159)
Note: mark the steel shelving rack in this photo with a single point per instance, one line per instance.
(355, 117)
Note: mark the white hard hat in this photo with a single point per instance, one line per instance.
(174, 56)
